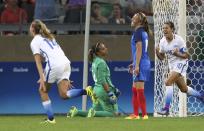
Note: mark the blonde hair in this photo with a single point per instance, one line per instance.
(143, 20)
(40, 28)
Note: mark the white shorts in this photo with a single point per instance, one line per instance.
(180, 67)
(58, 73)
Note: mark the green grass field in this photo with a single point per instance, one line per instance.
(32, 123)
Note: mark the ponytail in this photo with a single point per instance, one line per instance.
(46, 32)
(41, 28)
(93, 51)
(91, 55)
(144, 22)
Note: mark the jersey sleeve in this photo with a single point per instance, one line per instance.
(138, 35)
(35, 47)
(182, 45)
(101, 73)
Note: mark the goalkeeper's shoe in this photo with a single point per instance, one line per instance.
(72, 112)
(89, 92)
(132, 117)
(91, 113)
(164, 111)
(145, 117)
(47, 121)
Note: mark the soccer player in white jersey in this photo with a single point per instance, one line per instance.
(57, 69)
(173, 47)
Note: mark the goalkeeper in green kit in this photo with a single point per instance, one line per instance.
(105, 94)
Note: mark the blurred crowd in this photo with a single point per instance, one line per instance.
(71, 11)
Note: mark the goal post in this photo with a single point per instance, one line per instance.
(182, 33)
(175, 11)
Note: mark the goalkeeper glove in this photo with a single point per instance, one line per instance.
(112, 98)
(117, 92)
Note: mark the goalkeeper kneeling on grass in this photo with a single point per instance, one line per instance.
(105, 94)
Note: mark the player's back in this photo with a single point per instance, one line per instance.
(50, 50)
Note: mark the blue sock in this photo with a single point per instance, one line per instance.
(48, 109)
(169, 95)
(192, 92)
(75, 93)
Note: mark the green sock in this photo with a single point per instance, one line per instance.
(103, 114)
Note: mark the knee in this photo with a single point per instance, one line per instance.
(63, 95)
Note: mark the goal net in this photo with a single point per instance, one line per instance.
(189, 21)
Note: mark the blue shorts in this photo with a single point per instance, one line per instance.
(143, 74)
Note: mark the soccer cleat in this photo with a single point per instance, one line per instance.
(89, 92)
(132, 117)
(91, 113)
(72, 112)
(145, 117)
(164, 111)
(47, 121)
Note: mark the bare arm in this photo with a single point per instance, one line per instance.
(161, 56)
(38, 62)
(138, 57)
(184, 55)
(138, 53)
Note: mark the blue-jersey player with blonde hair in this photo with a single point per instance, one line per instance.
(140, 67)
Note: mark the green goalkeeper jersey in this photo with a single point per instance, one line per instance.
(101, 76)
(101, 72)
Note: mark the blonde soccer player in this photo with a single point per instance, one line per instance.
(140, 67)
(57, 69)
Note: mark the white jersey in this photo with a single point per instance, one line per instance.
(168, 48)
(175, 63)
(50, 50)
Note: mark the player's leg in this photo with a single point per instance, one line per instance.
(169, 91)
(64, 84)
(138, 82)
(46, 102)
(141, 98)
(187, 89)
(75, 112)
(102, 109)
(66, 91)
(135, 103)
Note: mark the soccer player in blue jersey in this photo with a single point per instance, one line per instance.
(140, 67)
(57, 69)
(173, 47)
